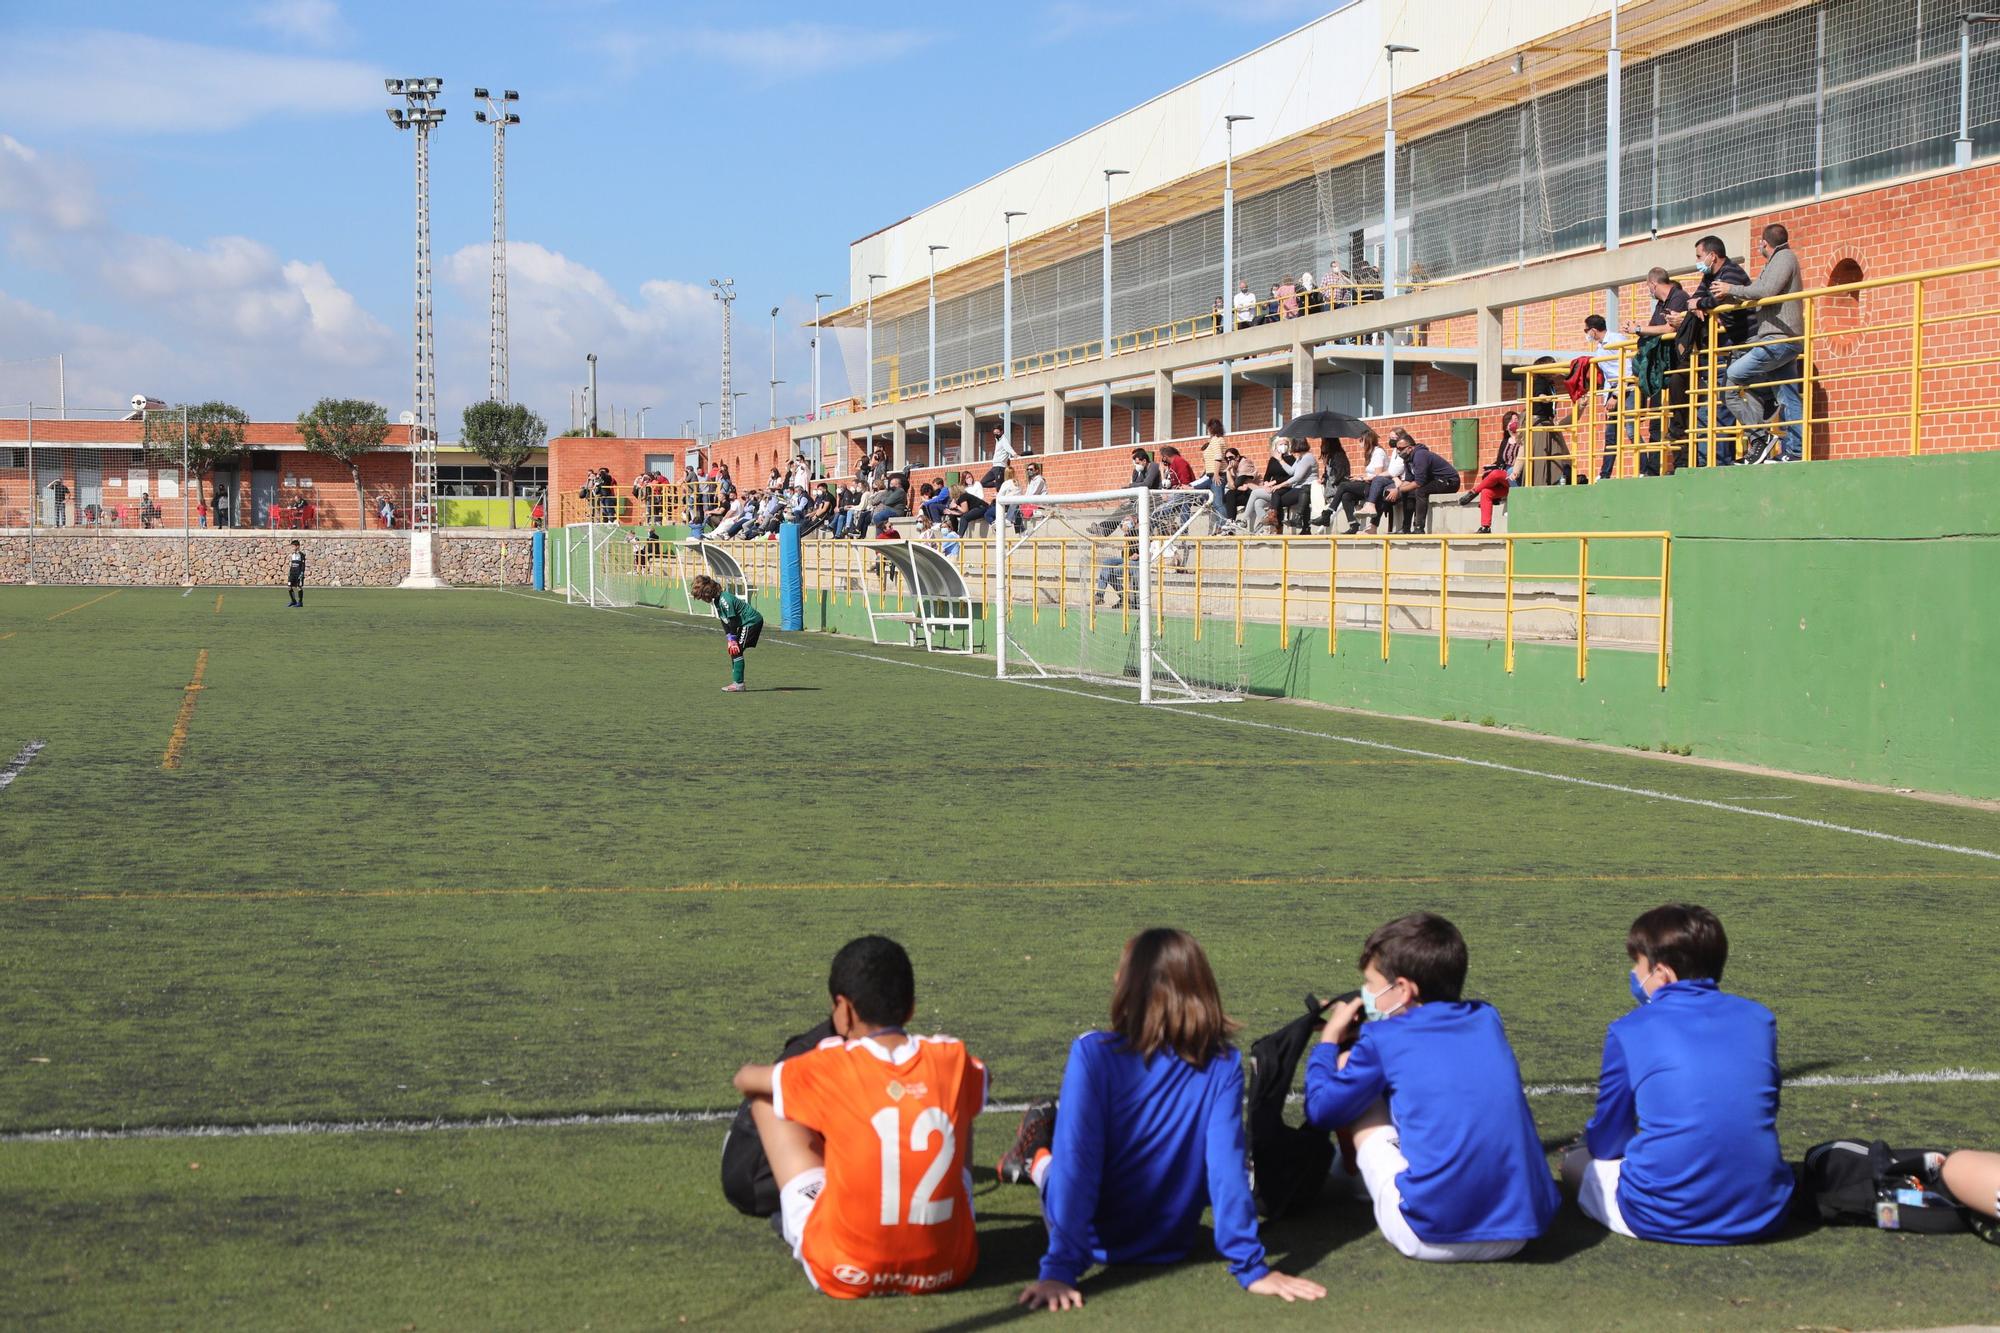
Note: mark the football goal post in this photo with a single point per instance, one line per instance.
(1098, 586)
(600, 564)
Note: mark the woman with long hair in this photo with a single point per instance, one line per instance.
(1150, 1132)
(1502, 474)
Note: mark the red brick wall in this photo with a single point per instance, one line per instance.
(571, 457)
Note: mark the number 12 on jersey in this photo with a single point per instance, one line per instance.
(926, 1209)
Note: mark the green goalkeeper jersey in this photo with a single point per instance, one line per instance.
(736, 614)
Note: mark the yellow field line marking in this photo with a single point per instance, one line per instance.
(80, 605)
(1226, 763)
(8, 635)
(803, 886)
(172, 759)
(218, 604)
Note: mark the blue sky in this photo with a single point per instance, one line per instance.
(205, 200)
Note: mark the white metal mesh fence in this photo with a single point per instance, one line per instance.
(1822, 97)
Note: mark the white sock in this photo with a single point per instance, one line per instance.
(1039, 1172)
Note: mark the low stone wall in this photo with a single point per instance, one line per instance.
(343, 560)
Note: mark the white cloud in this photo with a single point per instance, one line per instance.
(769, 52)
(228, 318)
(99, 80)
(314, 22)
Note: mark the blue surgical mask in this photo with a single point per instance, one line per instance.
(1702, 264)
(1371, 1003)
(1638, 991)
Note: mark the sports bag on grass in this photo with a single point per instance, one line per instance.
(1850, 1183)
(747, 1181)
(1288, 1163)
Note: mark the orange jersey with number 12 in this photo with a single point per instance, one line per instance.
(896, 1113)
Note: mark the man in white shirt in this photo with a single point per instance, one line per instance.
(1245, 304)
(1612, 353)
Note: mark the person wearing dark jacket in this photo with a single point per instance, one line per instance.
(1424, 474)
(1772, 356)
(1732, 327)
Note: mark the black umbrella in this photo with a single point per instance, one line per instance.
(1324, 426)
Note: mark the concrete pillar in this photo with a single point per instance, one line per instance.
(1053, 436)
(1302, 380)
(1489, 383)
(1163, 405)
(899, 446)
(968, 439)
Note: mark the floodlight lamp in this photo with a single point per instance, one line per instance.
(479, 116)
(513, 118)
(433, 85)
(479, 92)
(395, 117)
(510, 96)
(393, 85)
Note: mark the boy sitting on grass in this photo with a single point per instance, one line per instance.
(741, 624)
(1684, 1143)
(1432, 1095)
(869, 1138)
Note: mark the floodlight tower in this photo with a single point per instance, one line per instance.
(725, 292)
(418, 113)
(500, 114)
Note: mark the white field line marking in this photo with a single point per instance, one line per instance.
(19, 762)
(294, 1128)
(1646, 793)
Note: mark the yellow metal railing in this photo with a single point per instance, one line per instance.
(1865, 360)
(1595, 591)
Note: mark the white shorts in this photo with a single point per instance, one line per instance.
(1597, 1194)
(1381, 1160)
(795, 1205)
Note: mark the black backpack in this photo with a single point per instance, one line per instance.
(747, 1181)
(1288, 1163)
(1849, 1183)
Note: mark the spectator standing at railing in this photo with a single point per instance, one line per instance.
(1309, 297)
(1245, 305)
(1773, 351)
(1215, 476)
(1711, 256)
(1219, 317)
(1611, 353)
(1659, 354)
(1337, 286)
(1287, 296)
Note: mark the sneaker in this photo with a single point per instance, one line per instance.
(1484, 529)
(1367, 510)
(1468, 498)
(1036, 1134)
(1760, 446)
(732, 688)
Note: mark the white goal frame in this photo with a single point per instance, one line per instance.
(1173, 689)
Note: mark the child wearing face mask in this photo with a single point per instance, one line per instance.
(1684, 1143)
(1432, 1095)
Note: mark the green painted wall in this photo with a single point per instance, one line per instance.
(1837, 619)
(1841, 619)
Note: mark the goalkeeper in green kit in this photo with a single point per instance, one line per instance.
(740, 622)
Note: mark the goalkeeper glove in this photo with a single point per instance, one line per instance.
(735, 648)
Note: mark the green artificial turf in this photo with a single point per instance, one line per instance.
(477, 853)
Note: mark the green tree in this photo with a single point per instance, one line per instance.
(575, 431)
(506, 435)
(344, 429)
(214, 437)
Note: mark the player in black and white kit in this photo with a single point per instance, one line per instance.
(295, 576)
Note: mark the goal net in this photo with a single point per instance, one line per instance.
(603, 564)
(1100, 587)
